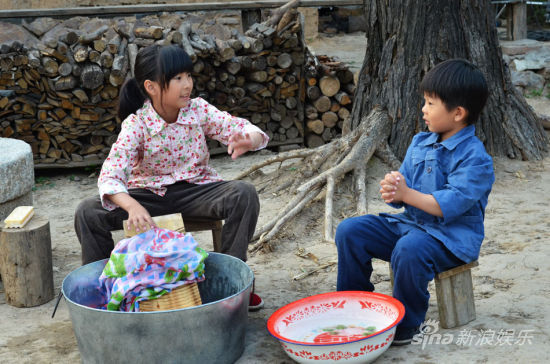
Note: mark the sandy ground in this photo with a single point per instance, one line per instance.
(512, 290)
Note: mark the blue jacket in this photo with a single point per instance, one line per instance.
(458, 172)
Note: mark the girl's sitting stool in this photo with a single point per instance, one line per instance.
(455, 295)
(175, 222)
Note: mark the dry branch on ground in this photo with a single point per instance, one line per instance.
(323, 167)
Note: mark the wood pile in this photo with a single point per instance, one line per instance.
(330, 88)
(60, 95)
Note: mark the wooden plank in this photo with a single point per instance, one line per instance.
(202, 225)
(457, 270)
(519, 11)
(157, 8)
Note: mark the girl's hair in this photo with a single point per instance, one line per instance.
(457, 82)
(155, 63)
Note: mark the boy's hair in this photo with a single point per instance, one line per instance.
(457, 82)
(156, 63)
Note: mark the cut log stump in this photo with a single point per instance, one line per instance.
(26, 263)
(455, 295)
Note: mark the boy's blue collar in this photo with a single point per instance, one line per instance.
(453, 141)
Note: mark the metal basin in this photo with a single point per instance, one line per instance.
(211, 333)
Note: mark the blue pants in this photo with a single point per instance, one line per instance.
(415, 258)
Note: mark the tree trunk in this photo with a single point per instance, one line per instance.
(407, 38)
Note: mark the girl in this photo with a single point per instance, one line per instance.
(159, 163)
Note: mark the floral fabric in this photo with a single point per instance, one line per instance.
(150, 153)
(149, 265)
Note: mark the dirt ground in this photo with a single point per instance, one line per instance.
(512, 291)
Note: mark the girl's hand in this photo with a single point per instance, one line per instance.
(241, 143)
(139, 217)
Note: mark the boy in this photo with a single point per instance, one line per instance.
(443, 183)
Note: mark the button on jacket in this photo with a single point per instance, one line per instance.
(458, 172)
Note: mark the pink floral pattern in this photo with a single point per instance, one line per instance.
(338, 355)
(150, 153)
(380, 307)
(312, 310)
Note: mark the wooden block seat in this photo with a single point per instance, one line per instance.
(455, 295)
(176, 222)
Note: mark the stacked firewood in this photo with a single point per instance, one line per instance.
(329, 94)
(60, 94)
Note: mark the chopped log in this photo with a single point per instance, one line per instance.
(315, 126)
(258, 76)
(185, 30)
(224, 50)
(132, 54)
(342, 98)
(87, 38)
(322, 104)
(66, 83)
(313, 93)
(284, 60)
(99, 45)
(314, 141)
(113, 44)
(69, 37)
(329, 85)
(151, 32)
(91, 76)
(329, 119)
(106, 59)
(345, 76)
(291, 102)
(81, 95)
(80, 53)
(50, 65)
(34, 58)
(233, 66)
(62, 47)
(259, 64)
(311, 112)
(26, 263)
(93, 56)
(343, 113)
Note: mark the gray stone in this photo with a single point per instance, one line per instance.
(7, 207)
(16, 169)
(535, 60)
(527, 79)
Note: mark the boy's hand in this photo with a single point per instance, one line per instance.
(241, 143)
(393, 187)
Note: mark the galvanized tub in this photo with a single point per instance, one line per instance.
(213, 332)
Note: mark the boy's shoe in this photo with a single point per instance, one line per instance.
(255, 303)
(404, 335)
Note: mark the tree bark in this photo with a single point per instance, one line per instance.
(407, 38)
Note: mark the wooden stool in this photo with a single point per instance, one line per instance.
(455, 295)
(26, 263)
(176, 222)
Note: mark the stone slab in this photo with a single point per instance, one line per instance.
(522, 46)
(7, 207)
(16, 169)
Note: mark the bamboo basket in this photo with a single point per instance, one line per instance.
(184, 296)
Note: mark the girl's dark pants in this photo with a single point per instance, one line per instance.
(415, 258)
(236, 202)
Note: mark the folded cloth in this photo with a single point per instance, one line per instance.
(148, 265)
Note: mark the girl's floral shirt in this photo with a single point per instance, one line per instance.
(150, 153)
